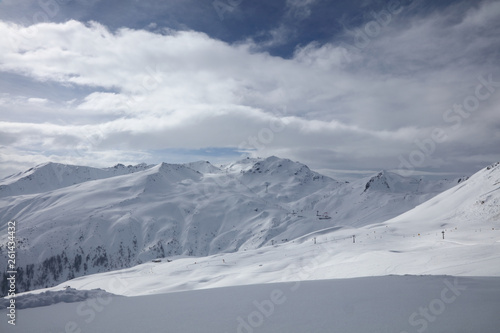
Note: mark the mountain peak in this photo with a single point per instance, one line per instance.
(173, 173)
(392, 182)
(175, 168)
(274, 170)
(273, 164)
(378, 182)
(203, 167)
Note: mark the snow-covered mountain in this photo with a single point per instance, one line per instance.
(74, 221)
(400, 275)
(411, 243)
(383, 196)
(51, 176)
(469, 204)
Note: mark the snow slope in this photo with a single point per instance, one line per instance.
(401, 304)
(473, 201)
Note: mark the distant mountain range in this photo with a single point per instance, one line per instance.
(77, 220)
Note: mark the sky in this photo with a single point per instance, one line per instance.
(346, 87)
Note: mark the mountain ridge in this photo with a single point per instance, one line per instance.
(52, 176)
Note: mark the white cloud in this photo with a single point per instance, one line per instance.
(299, 9)
(142, 91)
(34, 100)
